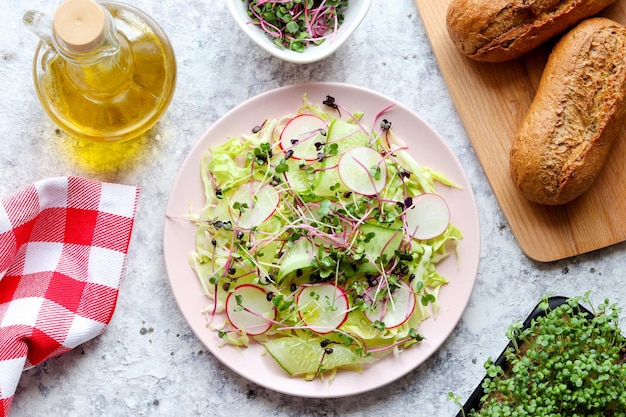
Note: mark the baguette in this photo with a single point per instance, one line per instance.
(576, 114)
(501, 30)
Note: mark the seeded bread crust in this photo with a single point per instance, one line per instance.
(575, 116)
(501, 30)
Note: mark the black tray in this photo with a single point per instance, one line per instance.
(473, 402)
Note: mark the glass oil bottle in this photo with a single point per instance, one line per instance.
(104, 72)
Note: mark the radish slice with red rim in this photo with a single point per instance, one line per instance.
(248, 309)
(302, 136)
(427, 217)
(322, 307)
(363, 170)
(252, 203)
(394, 311)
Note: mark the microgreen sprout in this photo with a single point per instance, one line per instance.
(241, 207)
(330, 102)
(261, 154)
(427, 299)
(296, 24)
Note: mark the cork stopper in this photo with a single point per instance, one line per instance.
(79, 24)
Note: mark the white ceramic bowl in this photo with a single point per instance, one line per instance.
(354, 15)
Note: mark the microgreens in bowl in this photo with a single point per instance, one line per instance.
(299, 31)
(297, 24)
(565, 361)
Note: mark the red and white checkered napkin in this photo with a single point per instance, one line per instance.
(63, 245)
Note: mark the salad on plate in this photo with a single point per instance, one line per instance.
(320, 240)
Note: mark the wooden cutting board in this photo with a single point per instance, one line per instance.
(491, 100)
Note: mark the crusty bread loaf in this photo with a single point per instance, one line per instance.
(501, 30)
(576, 114)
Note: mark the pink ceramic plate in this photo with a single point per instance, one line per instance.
(426, 146)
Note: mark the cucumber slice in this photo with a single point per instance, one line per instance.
(299, 256)
(299, 180)
(346, 135)
(385, 242)
(299, 356)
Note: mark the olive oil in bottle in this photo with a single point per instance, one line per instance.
(107, 72)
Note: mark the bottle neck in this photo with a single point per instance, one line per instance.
(102, 40)
(103, 65)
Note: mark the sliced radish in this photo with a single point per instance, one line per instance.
(260, 201)
(393, 311)
(322, 307)
(427, 217)
(301, 134)
(248, 309)
(363, 170)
